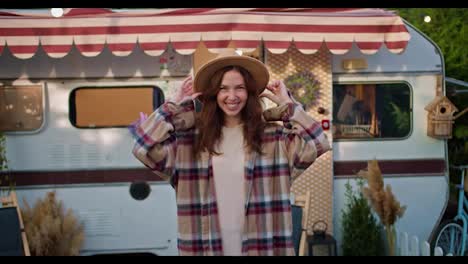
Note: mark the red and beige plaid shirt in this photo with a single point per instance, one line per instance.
(164, 144)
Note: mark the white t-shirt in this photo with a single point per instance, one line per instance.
(228, 173)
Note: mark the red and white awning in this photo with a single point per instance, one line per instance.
(91, 29)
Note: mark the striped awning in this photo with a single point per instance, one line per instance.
(90, 30)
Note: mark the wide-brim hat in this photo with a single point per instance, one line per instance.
(229, 57)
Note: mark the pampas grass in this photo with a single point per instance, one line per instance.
(382, 200)
(51, 230)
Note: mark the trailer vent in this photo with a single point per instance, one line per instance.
(92, 156)
(98, 223)
(57, 156)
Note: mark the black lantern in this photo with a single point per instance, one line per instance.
(321, 238)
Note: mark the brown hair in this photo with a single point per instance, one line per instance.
(210, 120)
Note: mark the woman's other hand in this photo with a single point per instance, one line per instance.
(279, 93)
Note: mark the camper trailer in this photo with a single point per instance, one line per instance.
(70, 86)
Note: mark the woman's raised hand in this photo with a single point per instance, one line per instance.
(185, 90)
(279, 93)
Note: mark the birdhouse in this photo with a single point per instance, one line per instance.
(440, 117)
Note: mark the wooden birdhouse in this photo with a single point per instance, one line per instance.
(440, 117)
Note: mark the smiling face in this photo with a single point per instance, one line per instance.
(232, 97)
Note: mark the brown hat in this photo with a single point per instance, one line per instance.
(229, 57)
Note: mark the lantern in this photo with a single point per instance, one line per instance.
(321, 238)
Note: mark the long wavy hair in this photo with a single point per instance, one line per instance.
(210, 119)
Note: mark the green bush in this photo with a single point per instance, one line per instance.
(361, 231)
(7, 183)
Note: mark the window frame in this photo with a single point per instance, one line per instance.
(369, 139)
(72, 104)
(43, 89)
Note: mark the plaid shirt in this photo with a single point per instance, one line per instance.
(164, 144)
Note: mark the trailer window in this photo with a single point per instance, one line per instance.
(367, 111)
(21, 108)
(99, 107)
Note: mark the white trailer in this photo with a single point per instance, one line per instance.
(69, 96)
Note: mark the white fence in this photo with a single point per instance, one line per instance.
(414, 247)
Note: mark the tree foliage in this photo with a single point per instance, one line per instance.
(448, 28)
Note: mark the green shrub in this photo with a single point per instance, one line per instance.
(361, 231)
(7, 183)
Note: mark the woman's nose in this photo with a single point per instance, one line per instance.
(232, 94)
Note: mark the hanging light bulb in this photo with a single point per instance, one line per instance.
(56, 12)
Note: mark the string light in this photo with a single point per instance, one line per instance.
(56, 12)
(427, 19)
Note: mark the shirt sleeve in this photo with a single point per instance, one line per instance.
(155, 139)
(304, 139)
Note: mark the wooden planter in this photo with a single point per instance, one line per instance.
(13, 240)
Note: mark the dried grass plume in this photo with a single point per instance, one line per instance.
(382, 199)
(52, 231)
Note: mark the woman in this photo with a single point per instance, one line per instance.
(231, 167)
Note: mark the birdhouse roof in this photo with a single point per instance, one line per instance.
(437, 101)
